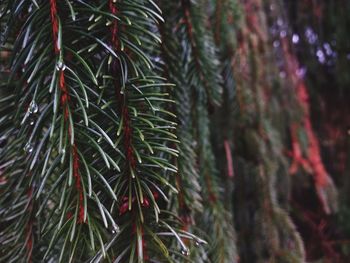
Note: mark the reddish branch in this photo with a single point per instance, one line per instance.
(54, 23)
(124, 111)
(121, 98)
(65, 98)
(114, 28)
(228, 153)
(78, 186)
(297, 155)
(318, 227)
(312, 161)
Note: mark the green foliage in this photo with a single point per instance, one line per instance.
(88, 160)
(131, 130)
(198, 73)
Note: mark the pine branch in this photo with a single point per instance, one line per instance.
(95, 166)
(192, 74)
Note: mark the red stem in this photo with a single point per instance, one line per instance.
(65, 98)
(123, 109)
(229, 159)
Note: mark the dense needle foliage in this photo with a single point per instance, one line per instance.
(173, 131)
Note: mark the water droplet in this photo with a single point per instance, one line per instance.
(295, 39)
(276, 43)
(60, 66)
(115, 229)
(199, 242)
(28, 148)
(283, 74)
(31, 121)
(33, 107)
(185, 251)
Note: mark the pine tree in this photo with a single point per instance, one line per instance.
(90, 144)
(173, 131)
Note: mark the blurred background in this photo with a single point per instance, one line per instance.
(291, 136)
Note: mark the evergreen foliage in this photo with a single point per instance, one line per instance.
(173, 131)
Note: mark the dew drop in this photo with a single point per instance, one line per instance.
(199, 242)
(33, 107)
(115, 229)
(60, 66)
(28, 148)
(185, 252)
(31, 121)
